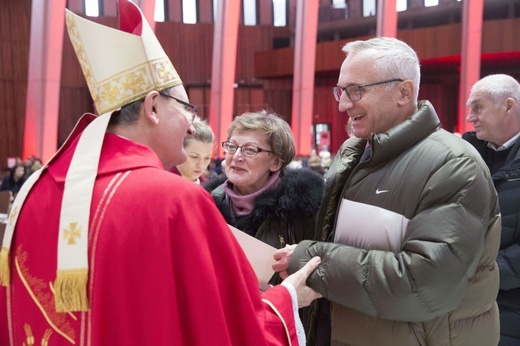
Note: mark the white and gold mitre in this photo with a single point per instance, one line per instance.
(120, 66)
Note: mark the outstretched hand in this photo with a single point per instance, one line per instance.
(282, 257)
(305, 294)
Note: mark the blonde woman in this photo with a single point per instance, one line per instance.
(199, 149)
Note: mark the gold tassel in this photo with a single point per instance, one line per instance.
(71, 290)
(5, 275)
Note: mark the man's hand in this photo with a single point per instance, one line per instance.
(305, 294)
(282, 257)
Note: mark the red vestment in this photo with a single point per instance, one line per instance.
(163, 267)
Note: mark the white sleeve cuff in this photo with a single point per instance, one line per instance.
(300, 332)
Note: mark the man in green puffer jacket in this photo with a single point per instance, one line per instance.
(409, 223)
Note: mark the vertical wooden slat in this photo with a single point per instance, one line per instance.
(265, 12)
(76, 6)
(206, 11)
(174, 10)
(109, 8)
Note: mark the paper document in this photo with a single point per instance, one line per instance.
(259, 254)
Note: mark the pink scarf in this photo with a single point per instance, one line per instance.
(243, 205)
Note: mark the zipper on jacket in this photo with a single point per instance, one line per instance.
(282, 241)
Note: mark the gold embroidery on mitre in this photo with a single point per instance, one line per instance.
(82, 56)
(125, 86)
(165, 74)
(72, 233)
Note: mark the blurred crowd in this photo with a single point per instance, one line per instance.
(13, 177)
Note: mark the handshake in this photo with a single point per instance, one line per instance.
(298, 279)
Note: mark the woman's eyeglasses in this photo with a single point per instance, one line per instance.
(248, 150)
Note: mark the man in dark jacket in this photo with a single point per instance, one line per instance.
(410, 214)
(494, 104)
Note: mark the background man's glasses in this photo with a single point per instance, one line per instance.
(188, 107)
(354, 91)
(248, 150)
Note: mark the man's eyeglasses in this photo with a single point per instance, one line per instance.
(248, 150)
(189, 108)
(354, 91)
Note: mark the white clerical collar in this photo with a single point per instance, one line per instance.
(506, 145)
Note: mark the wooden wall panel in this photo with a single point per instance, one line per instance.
(274, 63)
(241, 100)
(190, 49)
(248, 100)
(438, 94)
(501, 36)
(15, 22)
(252, 39)
(257, 99)
(197, 97)
(74, 102)
(430, 43)
(278, 97)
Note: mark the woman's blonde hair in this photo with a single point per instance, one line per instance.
(204, 133)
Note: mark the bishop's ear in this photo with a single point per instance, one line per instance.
(150, 106)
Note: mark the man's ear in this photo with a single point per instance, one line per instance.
(406, 90)
(151, 104)
(510, 105)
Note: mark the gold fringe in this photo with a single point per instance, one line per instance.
(5, 275)
(71, 290)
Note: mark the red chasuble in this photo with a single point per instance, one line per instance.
(164, 267)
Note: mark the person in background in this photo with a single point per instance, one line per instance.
(99, 251)
(494, 104)
(29, 161)
(199, 149)
(14, 181)
(326, 160)
(410, 214)
(261, 197)
(37, 164)
(314, 163)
